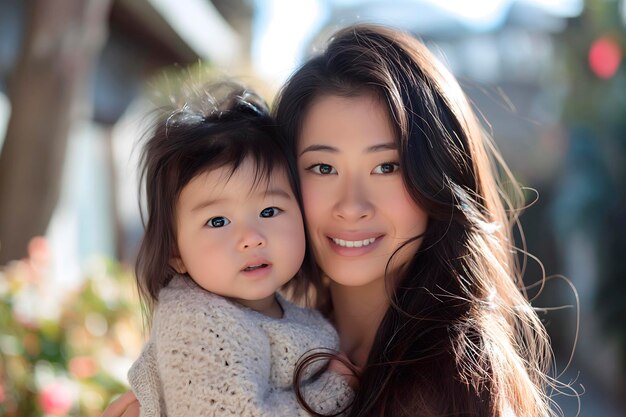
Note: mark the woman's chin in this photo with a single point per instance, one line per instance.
(354, 276)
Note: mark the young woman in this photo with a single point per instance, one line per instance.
(432, 309)
(411, 233)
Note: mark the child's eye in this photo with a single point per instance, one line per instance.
(322, 169)
(270, 212)
(217, 221)
(386, 168)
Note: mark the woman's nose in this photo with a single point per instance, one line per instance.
(353, 203)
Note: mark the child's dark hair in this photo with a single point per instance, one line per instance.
(218, 125)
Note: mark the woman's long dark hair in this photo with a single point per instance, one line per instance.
(210, 126)
(460, 337)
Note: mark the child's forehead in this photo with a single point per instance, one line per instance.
(248, 177)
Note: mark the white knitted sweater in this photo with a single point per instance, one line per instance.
(208, 356)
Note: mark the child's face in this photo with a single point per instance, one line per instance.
(238, 241)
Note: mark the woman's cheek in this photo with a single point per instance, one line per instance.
(312, 201)
(409, 218)
(315, 198)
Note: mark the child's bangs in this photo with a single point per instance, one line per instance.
(266, 160)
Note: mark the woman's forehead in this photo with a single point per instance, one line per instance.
(359, 122)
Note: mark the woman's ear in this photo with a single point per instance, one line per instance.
(178, 265)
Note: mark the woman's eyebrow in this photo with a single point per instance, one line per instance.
(387, 146)
(322, 148)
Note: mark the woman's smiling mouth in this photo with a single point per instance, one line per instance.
(358, 247)
(353, 243)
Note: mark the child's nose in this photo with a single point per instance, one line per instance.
(252, 239)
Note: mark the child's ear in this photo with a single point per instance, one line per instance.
(178, 265)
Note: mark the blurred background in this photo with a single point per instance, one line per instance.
(77, 78)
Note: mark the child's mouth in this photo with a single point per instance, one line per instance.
(255, 267)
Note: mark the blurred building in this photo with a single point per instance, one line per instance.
(143, 38)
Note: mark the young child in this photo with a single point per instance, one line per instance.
(224, 231)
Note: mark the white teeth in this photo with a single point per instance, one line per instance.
(353, 243)
(253, 267)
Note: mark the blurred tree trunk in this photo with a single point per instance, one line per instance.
(48, 92)
(239, 14)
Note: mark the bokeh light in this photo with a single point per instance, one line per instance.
(605, 57)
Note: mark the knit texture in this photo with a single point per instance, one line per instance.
(208, 356)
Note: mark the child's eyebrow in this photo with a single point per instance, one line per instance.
(206, 203)
(272, 192)
(276, 192)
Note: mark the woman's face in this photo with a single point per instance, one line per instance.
(357, 209)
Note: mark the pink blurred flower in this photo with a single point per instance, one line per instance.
(38, 251)
(56, 399)
(83, 367)
(2, 395)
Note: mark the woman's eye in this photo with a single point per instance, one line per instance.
(386, 168)
(218, 221)
(322, 169)
(270, 212)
